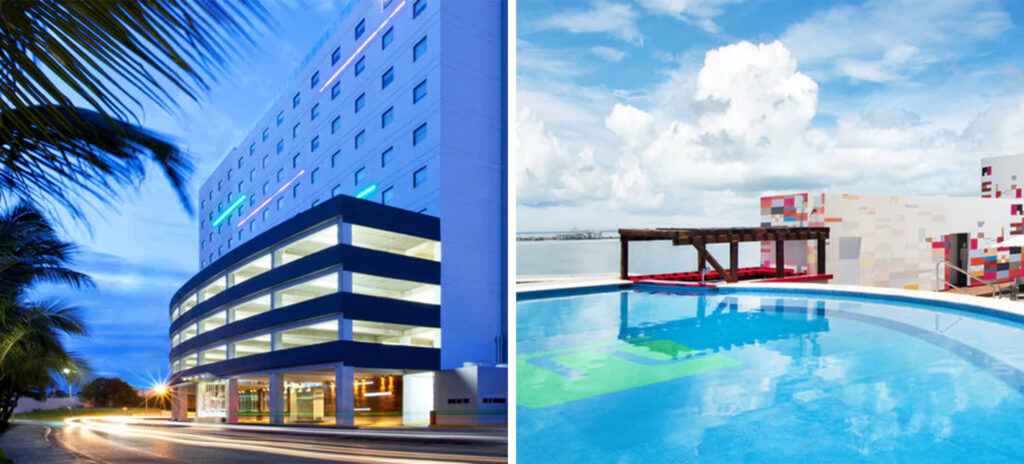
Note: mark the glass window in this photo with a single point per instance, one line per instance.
(387, 196)
(280, 146)
(220, 185)
(387, 117)
(360, 65)
(365, 284)
(190, 302)
(387, 38)
(305, 246)
(314, 144)
(250, 346)
(418, 7)
(395, 334)
(387, 78)
(188, 362)
(249, 270)
(280, 174)
(393, 242)
(314, 79)
(266, 187)
(211, 289)
(266, 133)
(360, 175)
(314, 112)
(266, 214)
(336, 124)
(335, 158)
(240, 185)
(360, 139)
(250, 308)
(252, 174)
(266, 159)
(335, 90)
(385, 157)
(295, 161)
(296, 100)
(419, 134)
(336, 191)
(252, 149)
(280, 118)
(280, 203)
(419, 49)
(295, 130)
(336, 55)
(360, 28)
(188, 332)
(360, 102)
(213, 355)
(303, 291)
(419, 177)
(321, 332)
(212, 322)
(295, 191)
(314, 175)
(419, 91)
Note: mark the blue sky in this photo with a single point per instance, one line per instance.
(685, 112)
(140, 251)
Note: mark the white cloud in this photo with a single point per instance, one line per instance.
(617, 19)
(550, 173)
(608, 53)
(697, 12)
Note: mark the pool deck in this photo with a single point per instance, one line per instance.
(526, 285)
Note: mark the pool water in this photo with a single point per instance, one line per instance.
(638, 376)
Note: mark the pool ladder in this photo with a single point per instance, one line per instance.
(996, 292)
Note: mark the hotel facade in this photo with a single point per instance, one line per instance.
(353, 261)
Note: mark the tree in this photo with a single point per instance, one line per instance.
(108, 55)
(107, 392)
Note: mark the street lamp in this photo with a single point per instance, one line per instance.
(71, 393)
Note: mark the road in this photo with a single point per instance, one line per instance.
(120, 440)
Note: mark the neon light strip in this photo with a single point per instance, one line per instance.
(361, 47)
(377, 394)
(366, 191)
(227, 212)
(267, 201)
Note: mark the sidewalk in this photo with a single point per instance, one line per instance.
(28, 442)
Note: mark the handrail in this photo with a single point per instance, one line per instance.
(996, 292)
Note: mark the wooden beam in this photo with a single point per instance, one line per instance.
(702, 252)
(734, 260)
(623, 258)
(821, 256)
(780, 258)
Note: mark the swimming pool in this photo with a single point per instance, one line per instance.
(750, 376)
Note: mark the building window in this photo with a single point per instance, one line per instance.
(202, 204)
(219, 185)
(419, 91)
(280, 203)
(360, 138)
(211, 194)
(266, 159)
(295, 130)
(314, 203)
(360, 102)
(387, 38)
(335, 158)
(229, 173)
(239, 186)
(385, 157)
(252, 149)
(360, 28)
(295, 161)
(314, 112)
(314, 144)
(418, 7)
(280, 174)
(280, 146)
(419, 49)
(314, 79)
(296, 100)
(419, 134)
(336, 124)
(266, 134)
(387, 78)
(266, 186)
(360, 175)
(252, 173)
(335, 90)
(360, 65)
(387, 196)
(280, 118)
(387, 117)
(239, 162)
(336, 191)
(419, 177)
(295, 191)
(229, 243)
(266, 214)
(313, 175)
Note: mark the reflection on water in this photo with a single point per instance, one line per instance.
(643, 377)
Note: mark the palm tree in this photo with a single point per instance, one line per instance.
(107, 54)
(31, 350)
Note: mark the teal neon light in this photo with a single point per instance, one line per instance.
(366, 191)
(227, 212)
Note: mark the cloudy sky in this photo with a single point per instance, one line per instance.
(143, 249)
(685, 112)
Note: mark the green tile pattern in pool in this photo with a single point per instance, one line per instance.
(604, 372)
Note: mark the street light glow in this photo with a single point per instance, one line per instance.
(160, 389)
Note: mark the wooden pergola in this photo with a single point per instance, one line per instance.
(699, 238)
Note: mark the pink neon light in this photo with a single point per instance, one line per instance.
(361, 47)
(267, 201)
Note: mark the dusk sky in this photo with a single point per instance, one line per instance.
(141, 250)
(683, 113)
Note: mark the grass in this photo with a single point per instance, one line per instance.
(60, 414)
(3, 458)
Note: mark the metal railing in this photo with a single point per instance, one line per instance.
(996, 292)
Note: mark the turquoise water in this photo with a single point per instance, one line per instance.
(648, 377)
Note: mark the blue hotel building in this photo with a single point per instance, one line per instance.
(353, 262)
